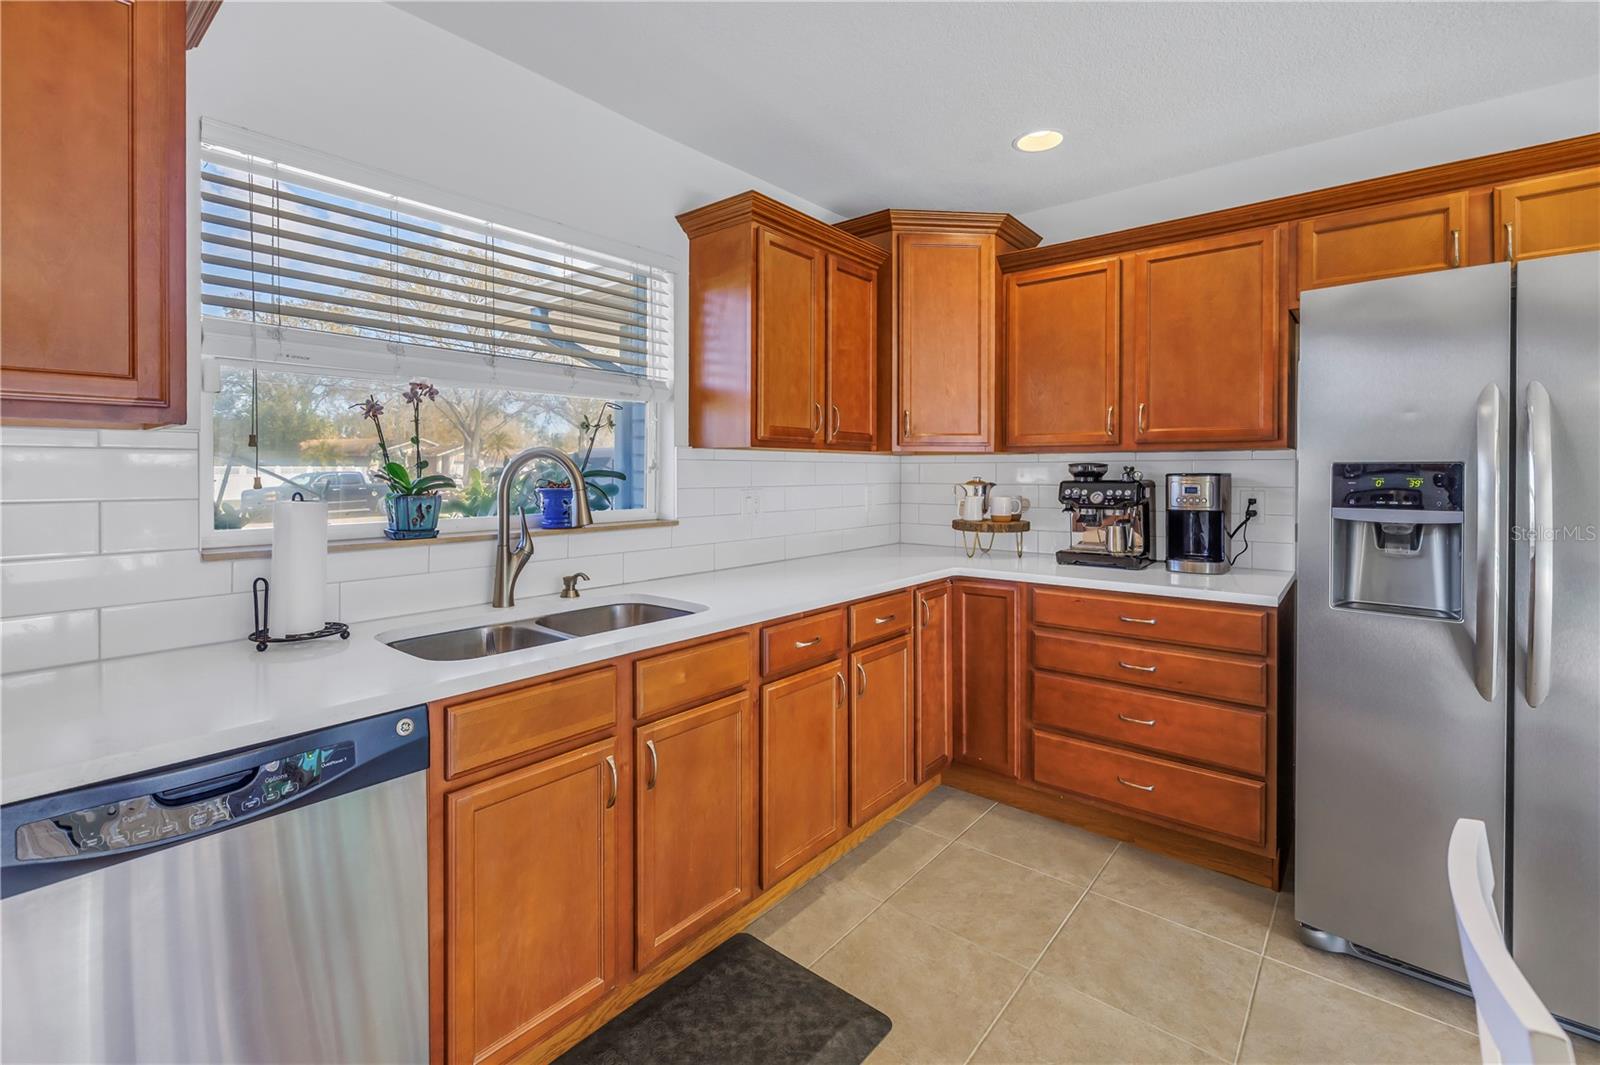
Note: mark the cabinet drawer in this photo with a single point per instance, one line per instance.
(1235, 680)
(1227, 736)
(483, 731)
(805, 641)
(1199, 798)
(1225, 628)
(690, 675)
(887, 615)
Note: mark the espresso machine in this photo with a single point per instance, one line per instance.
(1111, 521)
(1197, 522)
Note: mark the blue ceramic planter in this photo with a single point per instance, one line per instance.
(555, 508)
(412, 517)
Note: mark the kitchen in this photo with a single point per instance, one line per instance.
(869, 733)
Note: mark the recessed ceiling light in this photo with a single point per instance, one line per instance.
(1040, 140)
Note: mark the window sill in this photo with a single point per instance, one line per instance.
(250, 551)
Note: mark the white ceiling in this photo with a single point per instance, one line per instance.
(858, 106)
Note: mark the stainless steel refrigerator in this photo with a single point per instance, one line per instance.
(1448, 643)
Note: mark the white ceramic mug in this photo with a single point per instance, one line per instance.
(970, 508)
(1005, 506)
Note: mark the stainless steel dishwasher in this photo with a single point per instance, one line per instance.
(268, 905)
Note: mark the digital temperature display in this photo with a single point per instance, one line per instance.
(1398, 485)
(1387, 482)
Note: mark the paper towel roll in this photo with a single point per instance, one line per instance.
(299, 567)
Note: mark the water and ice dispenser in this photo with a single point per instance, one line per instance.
(1397, 529)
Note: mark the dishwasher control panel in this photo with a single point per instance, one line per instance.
(165, 816)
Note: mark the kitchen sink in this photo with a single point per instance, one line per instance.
(479, 641)
(587, 621)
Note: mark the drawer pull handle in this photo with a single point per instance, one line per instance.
(883, 620)
(655, 765)
(1136, 720)
(611, 764)
(1136, 621)
(1141, 787)
(1137, 669)
(798, 644)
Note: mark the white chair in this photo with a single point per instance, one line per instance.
(1513, 1025)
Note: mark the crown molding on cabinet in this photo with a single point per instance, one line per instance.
(197, 18)
(1007, 227)
(753, 207)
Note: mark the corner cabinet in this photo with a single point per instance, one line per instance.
(933, 679)
(782, 329)
(92, 300)
(987, 675)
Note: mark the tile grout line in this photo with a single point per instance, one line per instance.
(1255, 985)
(1379, 998)
(1187, 928)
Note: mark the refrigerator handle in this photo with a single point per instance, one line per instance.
(1541, 543)
(1489, 652)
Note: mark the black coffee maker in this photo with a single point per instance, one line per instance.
(1197, 522)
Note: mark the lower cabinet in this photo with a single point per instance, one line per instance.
(882, 727)
(696, 822)
(987, 675)
(933, 679)
(804, 768)
(531, 890)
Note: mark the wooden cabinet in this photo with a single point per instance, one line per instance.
(531, 890)
(1409, 237)
(804, 768)
(93, 296)
(1208, 364)
(696, 822)
(782, 329)
(933, 679)
(1551, 215)
(986, 714)
(1062, 364)
(882, 727)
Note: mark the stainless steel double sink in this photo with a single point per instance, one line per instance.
(480, 641)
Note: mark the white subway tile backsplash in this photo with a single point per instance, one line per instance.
(610, 541)
(48, 585)
(651, 565)
(385, 597)
(46, 640)
(706, 473)
(179, 439)
(37, 530)
(14, 436)
(737, 553)
(149, 525)
(696, 502)
(817, 543)
(146, 627)
(377, 562)
(474, 554)
(62, 473)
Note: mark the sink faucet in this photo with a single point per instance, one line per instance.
(508, 560)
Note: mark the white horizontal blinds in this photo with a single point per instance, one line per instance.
(284, 247)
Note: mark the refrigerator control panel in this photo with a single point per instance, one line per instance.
(1432, 486)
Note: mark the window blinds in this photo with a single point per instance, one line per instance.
(284, 247)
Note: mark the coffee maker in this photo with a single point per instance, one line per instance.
(1197, 522)
(1111, 521)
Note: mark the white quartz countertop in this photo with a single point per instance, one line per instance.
(75, 725)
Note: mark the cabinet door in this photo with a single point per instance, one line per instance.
(1205, 341)
(1385, 241)
(91, 159)
(1551, 215)
(1063, 356)
(789, 340)
(945, 325)
(986, 635)
(852, 365)
(531, 890)
(696, 822)
(804, 768)
(883, 727)
(933, 679)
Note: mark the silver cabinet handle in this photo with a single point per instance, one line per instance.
(1135, 720)
(1541, 543)
(1489, 649)
(905, 423)
(816, 417)
(1110, 416)
(799, 644)
(861, 679)
(1138, 669)
(1144, 422)
(927, 615)
(883, 620)
(1141, 787)
(1136, 621)
(655, 764)
(611, 764)
(1511, 247)
(1455, 247)
(839, 691)
(836, 419)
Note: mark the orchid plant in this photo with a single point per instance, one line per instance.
(401, 481)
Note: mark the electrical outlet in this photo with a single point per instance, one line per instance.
(750, 505)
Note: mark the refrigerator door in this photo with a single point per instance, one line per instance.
(1400, 720)
(1555, 809)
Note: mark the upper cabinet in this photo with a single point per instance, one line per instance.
(1062, 365)
(782, 329)
(1205, 342)
(92, 300)
(1384, 241)
(1551, 215)
(939, 325)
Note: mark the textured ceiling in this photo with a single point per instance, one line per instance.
(857, 106)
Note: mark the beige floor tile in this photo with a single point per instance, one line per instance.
(1222, 906)
(812, 919)
(1298, 1017)
(941, 992)
(996, 904)
(1284, 945)
(946, 812)
(1187, 983)
(888, 858)
(1049, 1023)
(1062, 851)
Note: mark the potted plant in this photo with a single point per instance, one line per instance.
(413, 501)
(555, 503)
